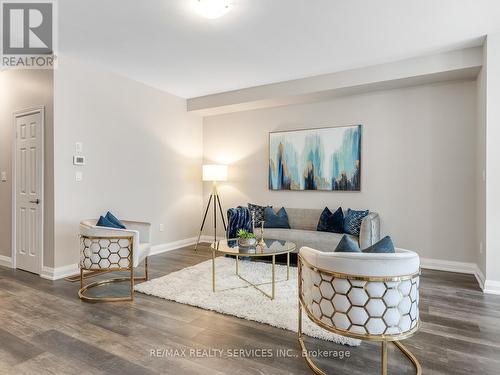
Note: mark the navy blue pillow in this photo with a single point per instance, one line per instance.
(385, 245)
(347, 245)
(276, 220)
(110, 217)
(103, 222)
(352, 221)
(329, 222)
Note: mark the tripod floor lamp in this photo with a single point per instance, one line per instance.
(214, 173)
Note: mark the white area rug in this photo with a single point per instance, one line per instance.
(193, 286)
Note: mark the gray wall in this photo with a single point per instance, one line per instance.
(143, 156)
(21, 89)
(418, 162)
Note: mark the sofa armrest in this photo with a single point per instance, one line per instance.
(144, 229)
(369, 232)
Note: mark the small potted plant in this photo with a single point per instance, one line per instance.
(245, 238)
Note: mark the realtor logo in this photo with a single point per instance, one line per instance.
(27, 34)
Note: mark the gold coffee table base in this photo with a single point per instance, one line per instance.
(256, 286)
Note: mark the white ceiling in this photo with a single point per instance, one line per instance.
(164, 43)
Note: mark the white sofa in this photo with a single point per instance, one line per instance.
(303, 224)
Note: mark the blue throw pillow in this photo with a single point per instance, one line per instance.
(347, 245)
(110, 217)
(331, 222)
(103, 222)
(385, 245)
(276, 220)
(352, 221)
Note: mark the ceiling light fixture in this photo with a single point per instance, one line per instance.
(211, 8)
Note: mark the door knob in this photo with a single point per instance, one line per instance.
(36, 201)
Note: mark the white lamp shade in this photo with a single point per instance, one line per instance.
(214, 172)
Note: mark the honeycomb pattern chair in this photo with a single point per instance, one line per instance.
(365, 296)
(107, 249)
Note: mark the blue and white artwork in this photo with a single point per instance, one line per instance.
(316, 159)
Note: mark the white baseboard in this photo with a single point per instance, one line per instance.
(480, 278)
(158, 249)
(487, 286)
(491, 287)
(206, 238)
(448, 265)
(59, 272)
(73, 269)
(5, 261)
(169, 246)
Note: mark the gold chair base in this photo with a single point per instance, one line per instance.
(404, 350)
(131, 279)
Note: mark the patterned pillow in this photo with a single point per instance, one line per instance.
(258, 211)
(352, 221)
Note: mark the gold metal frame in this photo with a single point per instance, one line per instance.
(130, 268)
(215, 249)
(383, 338)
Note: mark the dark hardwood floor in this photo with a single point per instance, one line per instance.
(46, 329)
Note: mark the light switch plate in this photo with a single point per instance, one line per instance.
(78, 147)
(3, 176)
(162, 227)
(78, 176)
(78, 160)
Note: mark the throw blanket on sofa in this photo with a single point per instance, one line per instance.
(238, 218)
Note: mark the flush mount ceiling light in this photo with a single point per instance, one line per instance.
(211, 8)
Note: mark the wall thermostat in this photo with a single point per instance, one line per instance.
(78, 160)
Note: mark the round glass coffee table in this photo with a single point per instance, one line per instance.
(267, 248)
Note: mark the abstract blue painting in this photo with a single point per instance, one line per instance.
(316, 159)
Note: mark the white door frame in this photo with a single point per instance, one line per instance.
(16, 114)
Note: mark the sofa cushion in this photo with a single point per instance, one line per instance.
(323, 241)
(331, 222)
(303, 218)
(352, 221)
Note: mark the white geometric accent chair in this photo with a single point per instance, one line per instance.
(105, 249)
(365, 296)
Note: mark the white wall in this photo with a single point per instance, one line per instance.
(22, 89)
(143, 156)
(492, 115)
(418, 162)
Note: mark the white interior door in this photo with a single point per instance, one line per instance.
(28, 190)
